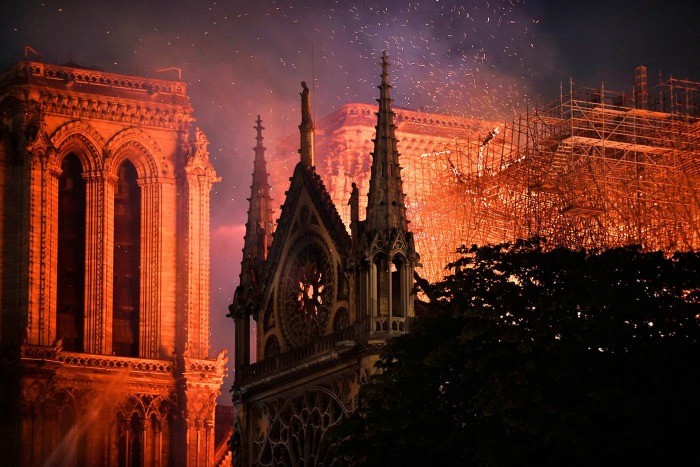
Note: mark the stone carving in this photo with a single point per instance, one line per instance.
(341, 320)
(102, 122)
(291, 432)
(272, 347)
(307, 292)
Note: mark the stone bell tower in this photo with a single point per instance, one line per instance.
(104, 286)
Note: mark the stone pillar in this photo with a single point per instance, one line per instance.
(373, 282)
(199, 387)
(99, 240)
(197, 262)
(43, 238)
(405, 289)
(242, 343)
(148, 442)
(151, 249)
(407, 283)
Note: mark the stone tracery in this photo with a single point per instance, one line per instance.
(292, 431)
(307, 292)
(328, 290)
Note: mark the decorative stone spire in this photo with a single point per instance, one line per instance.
(258, 229)
(385, 253)
(306, 129)
(257, 241)
(385, 206)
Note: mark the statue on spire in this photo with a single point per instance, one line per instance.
(306, 128)
(305, 105)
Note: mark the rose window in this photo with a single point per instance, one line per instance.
(307, 289)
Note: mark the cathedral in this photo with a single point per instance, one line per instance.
(325, 299)
(104, 286)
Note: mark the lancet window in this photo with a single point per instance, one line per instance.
(127, 246)
(70, 310)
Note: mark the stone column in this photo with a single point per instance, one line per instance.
(241, 329)
(149, 335)
(197, 262)
(373, 282)
(43, 238)
(99, 241)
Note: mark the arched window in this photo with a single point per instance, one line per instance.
(127, 248)
(70, 300)
(397, 287)
(380, 308)
(130, 440)
(381, 294)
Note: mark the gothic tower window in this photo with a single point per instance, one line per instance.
(130, 440)
(127, 247)
(382, 297)
(73, 449)
(397, 289)
(71, 255)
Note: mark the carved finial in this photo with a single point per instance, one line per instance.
(221, 361)
(201, 140)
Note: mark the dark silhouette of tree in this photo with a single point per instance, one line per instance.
(536, 357)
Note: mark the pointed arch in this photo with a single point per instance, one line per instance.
(376, 247)
(130, 420)
(155, 180)
(81, 139)
(272, 347)
(134, 144)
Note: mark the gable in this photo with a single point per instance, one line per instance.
(305, 284)
(305, 180)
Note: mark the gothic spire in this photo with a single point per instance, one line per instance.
(306, 129)
(258, 229)
(385, 206)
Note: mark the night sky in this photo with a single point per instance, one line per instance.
(241, 58)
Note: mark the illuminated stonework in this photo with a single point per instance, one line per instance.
(324, 301)
(104, 211)
(292, 431)
(591, 170)
(308, 293)
(432, 149)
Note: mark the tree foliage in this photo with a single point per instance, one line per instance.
(536, 357)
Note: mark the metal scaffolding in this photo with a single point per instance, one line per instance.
(593, 169)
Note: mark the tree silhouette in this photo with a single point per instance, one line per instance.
(535, 357)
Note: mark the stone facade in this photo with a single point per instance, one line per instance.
(440, 154)
(104, 205)
(325, 298)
